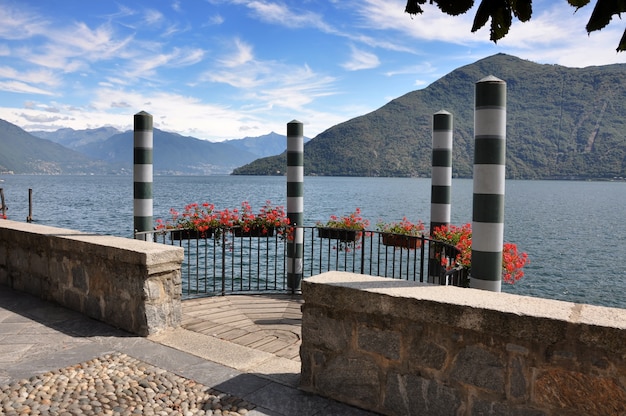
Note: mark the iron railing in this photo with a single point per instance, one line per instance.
(224, 263)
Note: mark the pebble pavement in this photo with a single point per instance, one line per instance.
(115, 384)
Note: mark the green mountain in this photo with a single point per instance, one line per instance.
(21, 152)
(561, 123)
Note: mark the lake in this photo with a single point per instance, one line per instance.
(574, 232)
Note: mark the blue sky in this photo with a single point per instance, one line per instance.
(224, 69)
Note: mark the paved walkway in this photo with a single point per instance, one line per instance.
(37, 337)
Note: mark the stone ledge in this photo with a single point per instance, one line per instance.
(403, 347)
(131, 284)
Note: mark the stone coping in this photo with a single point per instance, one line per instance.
(490, 312)
(134, 251)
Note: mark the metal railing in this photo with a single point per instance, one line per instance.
(225, 263)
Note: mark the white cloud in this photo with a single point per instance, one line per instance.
(21, 87)
(360, 59)
(242, 55)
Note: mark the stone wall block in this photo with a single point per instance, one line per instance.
(582, 393)
(425, 356)
(353, 379)
(383, 343)
(415, 395)
(480, 367)
(490, 408)
(519, 381)
(322, 330)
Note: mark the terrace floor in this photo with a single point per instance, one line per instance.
(270, 323)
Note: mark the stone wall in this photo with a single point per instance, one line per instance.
(131, 284)
(401, 348)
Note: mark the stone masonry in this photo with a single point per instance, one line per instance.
(404, 348)
(133, 285)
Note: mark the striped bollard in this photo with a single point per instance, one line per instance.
(441, 184)
(295, 203)
(489, 177)
(142, 173)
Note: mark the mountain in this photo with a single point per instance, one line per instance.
(77, 139)
(561, 123)
(21, 152)
(268, 145)
(172, 154)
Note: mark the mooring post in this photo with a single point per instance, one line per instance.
(441, 185)
(30, 205)
(295, 203)
(489, 179)
(3, 207)
(142, 173)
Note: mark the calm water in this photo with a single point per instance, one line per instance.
(573, 232)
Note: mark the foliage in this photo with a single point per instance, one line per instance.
(352, 221)
(404, 227)
(575, 131)
(501, 13)
(513, 261)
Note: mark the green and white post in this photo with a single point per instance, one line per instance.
(441, 184)
(489, 179)
(295, 203)
(142, 173)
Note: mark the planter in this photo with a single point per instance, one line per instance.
(190, 234)
(339, 234)
(404, 241)
(254, 232)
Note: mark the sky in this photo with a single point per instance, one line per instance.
(228, 69)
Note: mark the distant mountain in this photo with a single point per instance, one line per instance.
(268, 145)
(173, 153)
(77, 139)
(21, 152)
(561, 123)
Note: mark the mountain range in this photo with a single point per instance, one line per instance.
(107, 150)
(562, 123)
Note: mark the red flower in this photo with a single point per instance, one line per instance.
(513, 261)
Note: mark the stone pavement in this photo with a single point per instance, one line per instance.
(40, 341)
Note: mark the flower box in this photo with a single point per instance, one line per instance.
(404, 241)
(254, 232)
(340, 234)
(188, 234)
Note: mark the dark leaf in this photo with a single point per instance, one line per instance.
(603, 12)
(522, 9)
(500, 23)
(413, 7)
(454, 7)
(501, 18)
(622, 43)
(578, 3)
(482, 14)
